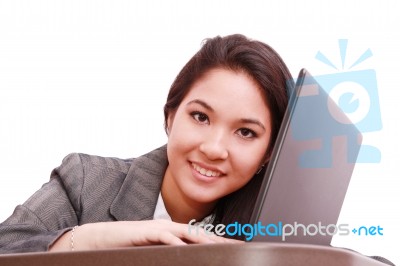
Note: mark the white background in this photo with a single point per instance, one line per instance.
(92, 77)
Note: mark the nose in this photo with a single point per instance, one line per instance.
(214, 146)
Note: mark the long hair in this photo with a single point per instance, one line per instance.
(267, 69)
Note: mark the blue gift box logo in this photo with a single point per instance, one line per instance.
(356, 93)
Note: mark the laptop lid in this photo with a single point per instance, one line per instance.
(310, 169)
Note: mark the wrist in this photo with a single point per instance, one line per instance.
(86, 237)
(72, 240)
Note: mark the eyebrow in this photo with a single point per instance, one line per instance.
(252, 121)
(202, 103)
(243, 120)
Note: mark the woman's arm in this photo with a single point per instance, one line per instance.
(132, 233)
(81, 191)
(47, 214)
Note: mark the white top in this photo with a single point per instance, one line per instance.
(161, 212)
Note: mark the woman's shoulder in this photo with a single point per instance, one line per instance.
(88, 160)
(114, 163)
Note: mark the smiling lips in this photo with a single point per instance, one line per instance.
(206, 172)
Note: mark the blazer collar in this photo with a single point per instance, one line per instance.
(139, 192)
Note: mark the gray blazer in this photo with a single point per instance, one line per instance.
(85, 189)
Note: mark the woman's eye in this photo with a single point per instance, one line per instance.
(200, 117)
(247, 133)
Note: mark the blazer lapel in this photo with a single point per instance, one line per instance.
(138, 195)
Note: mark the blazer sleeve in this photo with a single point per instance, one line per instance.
(49, 213)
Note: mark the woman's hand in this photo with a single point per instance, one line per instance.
(134, 233)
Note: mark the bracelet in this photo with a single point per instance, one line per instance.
(72, 237)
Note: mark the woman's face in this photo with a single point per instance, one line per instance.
(218, 136)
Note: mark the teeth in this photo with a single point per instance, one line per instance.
(204, 171)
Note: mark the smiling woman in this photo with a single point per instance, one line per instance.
(227, 144)
(222, 116)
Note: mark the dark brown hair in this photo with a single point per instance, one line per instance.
(267, 69)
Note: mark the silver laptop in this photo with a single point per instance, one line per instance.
(307, 178)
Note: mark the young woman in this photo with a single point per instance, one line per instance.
(222, 116)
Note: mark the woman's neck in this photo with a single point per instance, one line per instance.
(181, 208)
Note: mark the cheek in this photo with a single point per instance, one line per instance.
(181, 136)
(182, 130)
(248, 161)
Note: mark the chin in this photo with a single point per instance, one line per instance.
(202, 196)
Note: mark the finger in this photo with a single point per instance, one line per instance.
(169, 238)
(165, 237)
(201, 236)
(172, 233)
(177, 233)
(205, 236)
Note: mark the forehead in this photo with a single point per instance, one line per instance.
(228, 90)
